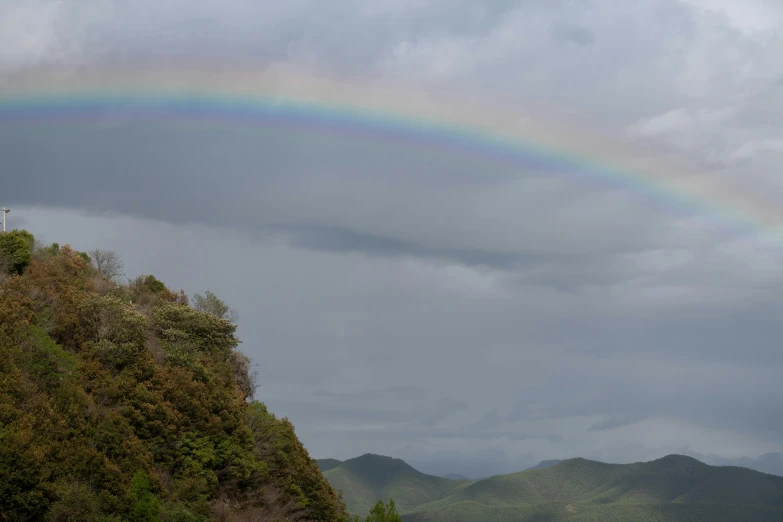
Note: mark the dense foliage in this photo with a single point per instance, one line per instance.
(123, 403)
(384, 512)
(16, 250)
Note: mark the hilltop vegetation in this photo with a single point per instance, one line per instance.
(671, 489)
(121, 402)
(367, 479)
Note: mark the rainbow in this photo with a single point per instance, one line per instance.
(282, 96)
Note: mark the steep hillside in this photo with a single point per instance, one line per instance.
(369, 478)
(124, 403)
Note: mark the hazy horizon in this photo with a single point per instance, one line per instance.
(771, 463)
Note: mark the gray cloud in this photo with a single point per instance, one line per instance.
(467, 314)
(580, 36)
(488, 421)
(344, 240)
(614, 421)
(445, 407)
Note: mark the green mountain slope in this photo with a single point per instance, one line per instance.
(566, 512)
(369, 478)
(123, 403)
(672, 489)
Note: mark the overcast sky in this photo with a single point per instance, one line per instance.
(464, 315)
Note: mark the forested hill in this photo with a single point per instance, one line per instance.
(367, 479)
(122, 402)
(671, 489)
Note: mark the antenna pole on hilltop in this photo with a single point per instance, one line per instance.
(5, 211)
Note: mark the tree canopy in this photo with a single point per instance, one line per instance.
(383, 513)
(16, 250)
(212, 304)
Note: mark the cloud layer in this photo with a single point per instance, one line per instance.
(469, 316)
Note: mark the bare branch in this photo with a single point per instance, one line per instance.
(108, 263)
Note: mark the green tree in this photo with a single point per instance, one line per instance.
(16, 249)
(52, 250)
(383, 513)
(145, 506)
(212, 304)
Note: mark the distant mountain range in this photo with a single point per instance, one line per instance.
(771, 463)
(456, 476)
(675, 488)
(327, 464)
(369, 478)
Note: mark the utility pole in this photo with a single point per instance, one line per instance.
(5, 211)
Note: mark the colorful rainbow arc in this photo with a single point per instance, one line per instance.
(284, 98)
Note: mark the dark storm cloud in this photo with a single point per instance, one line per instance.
(465, 314)
(333, 239)
(192, 178)
(264, 182)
